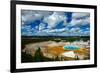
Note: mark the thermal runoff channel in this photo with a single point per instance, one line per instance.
(54, 36)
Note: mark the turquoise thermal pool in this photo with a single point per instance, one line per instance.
(70, 47)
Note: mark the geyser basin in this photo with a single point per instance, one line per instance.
(70, 47)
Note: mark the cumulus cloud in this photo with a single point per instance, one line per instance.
(80, 15)
(54, 23)
(79, 19)
(29, 16)
(54, 19)
(42, 26)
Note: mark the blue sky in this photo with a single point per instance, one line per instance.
(54, 23)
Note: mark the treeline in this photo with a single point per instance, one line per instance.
(28, 40)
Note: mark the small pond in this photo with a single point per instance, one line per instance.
(70, 47)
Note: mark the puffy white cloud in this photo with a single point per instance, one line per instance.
(44, 13)
(28, 18)
(42, 26)
(26, 27)
(80, 19)
(31, 16)
(80, 15)
(54, 19)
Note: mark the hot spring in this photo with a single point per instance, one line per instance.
(70, 47)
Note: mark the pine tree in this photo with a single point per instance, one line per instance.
(57, 58)
(38, 57)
